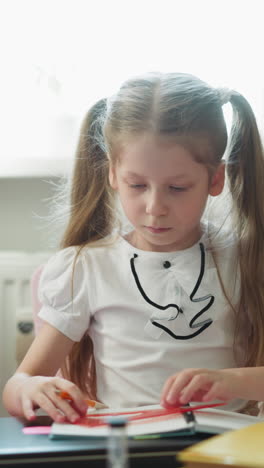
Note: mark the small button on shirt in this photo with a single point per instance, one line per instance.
(137, 309)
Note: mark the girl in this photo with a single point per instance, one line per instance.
(175, 295)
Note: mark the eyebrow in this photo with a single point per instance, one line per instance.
(175, 177)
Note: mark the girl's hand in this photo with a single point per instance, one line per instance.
(201, 385)
(43, 392)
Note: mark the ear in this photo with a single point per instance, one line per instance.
(217, 181)
(112, 177)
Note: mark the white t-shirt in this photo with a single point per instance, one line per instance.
(121, 295)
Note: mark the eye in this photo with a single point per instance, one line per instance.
(137, 186)
(178, 189)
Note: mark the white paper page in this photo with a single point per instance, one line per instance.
(212, 420)
(134, 428)
(216, 420)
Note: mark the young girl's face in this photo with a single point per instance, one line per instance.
(163, 191)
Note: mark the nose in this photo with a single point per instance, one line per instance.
(156, 204)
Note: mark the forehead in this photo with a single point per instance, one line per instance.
(148, 154)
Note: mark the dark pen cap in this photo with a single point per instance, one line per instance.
(117, 421)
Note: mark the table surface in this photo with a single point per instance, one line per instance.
(18, 449)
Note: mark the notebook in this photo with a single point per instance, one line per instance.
(156, 421)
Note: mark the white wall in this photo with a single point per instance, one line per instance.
(23, 201)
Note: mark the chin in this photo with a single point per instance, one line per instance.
(158, 244)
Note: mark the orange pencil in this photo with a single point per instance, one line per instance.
(90, 403)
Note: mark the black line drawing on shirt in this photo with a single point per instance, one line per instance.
(201, 325)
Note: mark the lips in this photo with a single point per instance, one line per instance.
(157, 229)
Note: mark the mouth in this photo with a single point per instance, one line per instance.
(157, 230)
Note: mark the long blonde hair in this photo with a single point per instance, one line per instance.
(91, 218)
(179, 106)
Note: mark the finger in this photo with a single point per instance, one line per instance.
(27, 408)
(166, 388)
(64, 406)
(197, 383)
(173, 395)
(198, 396)
(216, 393)
(44, 402)
(76, 395)
(67, 408)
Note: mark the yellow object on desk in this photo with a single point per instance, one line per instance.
(242, 448)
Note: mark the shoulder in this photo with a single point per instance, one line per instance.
(104, 252)
(224, 261)
(60, 262)
(78, 259)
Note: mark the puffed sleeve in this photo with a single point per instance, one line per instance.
(63, 293)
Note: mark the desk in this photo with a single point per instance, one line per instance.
(31, 451)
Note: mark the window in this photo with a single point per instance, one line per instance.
(59, 56)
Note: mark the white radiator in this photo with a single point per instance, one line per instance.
(16, 326)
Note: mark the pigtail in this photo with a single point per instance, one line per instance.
(91, 219)
(245, 169)
(91, 207)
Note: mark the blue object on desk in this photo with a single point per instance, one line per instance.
(31, 451)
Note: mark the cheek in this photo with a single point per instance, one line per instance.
(198, 207)
(130, 205)
(193, 205)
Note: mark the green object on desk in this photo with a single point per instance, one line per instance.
(165, 435)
